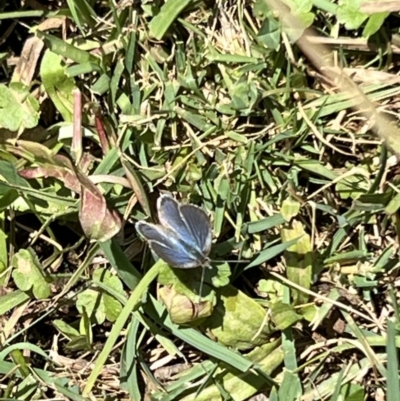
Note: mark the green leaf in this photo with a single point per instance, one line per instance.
(393, 363)
(98, 304)
(82, 13)
(91, 301)
(9, 173)
(394, 205)
(105, 276)
(181, 292)
(85, 327)
(67, 50)
(57, 84)
(120, 262)
(270, 33)
(358, 395)
(290, 388)
(66, 329)
(271, 289)
(316, 168)
(18, 108)
(129, 361)
(12, 300)
(301, 10)
(299, 260)
(265, 224)
(237, 385)
(299, 7)
(269, 253)
(29, 275)
(78, 343)
(349, 14)
(238, 321)
(353, 186)
(223, 275)
(23, 346)
(374, 23)
(261, 9)
(290, 208)
(112, 306)
(169, 12)
(284, 315)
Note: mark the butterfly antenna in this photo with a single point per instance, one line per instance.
(201, 283)
(230, 261)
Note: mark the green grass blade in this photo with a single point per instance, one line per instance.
(119, 324)
(167, 15)
(392, 378)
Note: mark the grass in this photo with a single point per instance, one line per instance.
(104, 107)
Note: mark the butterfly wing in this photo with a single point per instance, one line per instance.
(167, 245)
(199, 226)
(170, 217)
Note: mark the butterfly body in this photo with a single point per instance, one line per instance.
(183, 237)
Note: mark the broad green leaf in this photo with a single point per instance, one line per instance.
(271, 289)
(270, 33)
(353, 186)
(223, 275)
(301, 9)
(28, 274)
(356, 394)
(348, 13)
(9, 173)
(181, 293)
(238, 321)
(261, 9)
(283, 315)
(57, 84)
(374, 23)
(18, 108)
(289, 209)
(112, 306)
(98, 304)
(290, 388)
(91, 301)
(241, 386)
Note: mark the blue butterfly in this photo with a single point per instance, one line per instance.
(183, 237)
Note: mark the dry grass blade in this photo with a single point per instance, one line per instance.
(381, 124)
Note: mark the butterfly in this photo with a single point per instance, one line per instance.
(183, 237)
